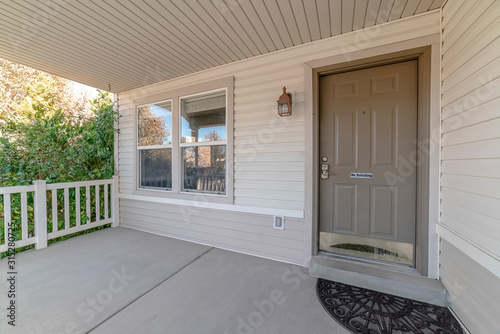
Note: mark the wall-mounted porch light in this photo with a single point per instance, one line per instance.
(285, 104)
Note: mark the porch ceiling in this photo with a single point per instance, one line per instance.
(128, 44)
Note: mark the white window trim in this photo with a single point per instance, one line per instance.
(150, 147)
(175, 95)
(197, 144)
(204, 143)
(153, 147)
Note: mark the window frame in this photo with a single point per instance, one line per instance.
(139, 148)
(198, 144)
(175, 96)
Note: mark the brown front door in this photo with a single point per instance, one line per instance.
(368, 132)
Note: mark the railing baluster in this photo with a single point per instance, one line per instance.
(40, 213)
(66, 208)
(77, 206)
(87, 199)
(55, 226)
(106, 201)
(97, 206)
(24, 216)
(115, 208)
(7, 216)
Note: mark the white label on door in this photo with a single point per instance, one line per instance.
(361, 175)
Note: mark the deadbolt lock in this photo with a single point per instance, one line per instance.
(325, 169)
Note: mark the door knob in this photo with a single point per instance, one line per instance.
(325, 169)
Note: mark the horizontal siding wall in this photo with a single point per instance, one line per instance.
(473, 290)
(269, 151)
(241, 232)
(470, 180)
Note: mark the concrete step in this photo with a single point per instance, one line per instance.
(386, 278)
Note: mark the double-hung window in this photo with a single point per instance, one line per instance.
(154, 145)
(184, 140)
(203, 142)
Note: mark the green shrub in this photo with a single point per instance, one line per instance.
(51, 144)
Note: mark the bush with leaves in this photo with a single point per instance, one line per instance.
(42, 141)
(58, 148)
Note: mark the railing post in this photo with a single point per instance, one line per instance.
(40, 213)
(115, 200)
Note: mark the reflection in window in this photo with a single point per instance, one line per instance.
(204, 168)
(154, 143)
(156, 168)
(198, 152)
(203, 142)
(203, 117)
(154, 124)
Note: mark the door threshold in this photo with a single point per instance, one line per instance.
(384, 277)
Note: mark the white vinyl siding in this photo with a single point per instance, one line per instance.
(269, 151)
(473, 290)
(470, 179)
(242, 232)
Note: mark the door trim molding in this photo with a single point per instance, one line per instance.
(427, 51)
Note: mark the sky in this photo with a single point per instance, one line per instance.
(90, 91)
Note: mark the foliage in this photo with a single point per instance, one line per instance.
(48, 133)
(22, 87)
(54, 147)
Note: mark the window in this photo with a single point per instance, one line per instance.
(203, 142)
(184, 140)
(154, 143)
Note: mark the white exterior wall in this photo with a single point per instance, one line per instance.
(269, 155)
(470, 179)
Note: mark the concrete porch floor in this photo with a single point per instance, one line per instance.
(126, 281)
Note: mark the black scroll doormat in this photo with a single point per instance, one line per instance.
(370, 312)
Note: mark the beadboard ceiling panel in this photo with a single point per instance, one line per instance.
(120, 45)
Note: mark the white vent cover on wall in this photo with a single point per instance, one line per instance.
(279, 222)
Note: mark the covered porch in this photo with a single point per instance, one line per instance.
(161, 53)
(126, 281)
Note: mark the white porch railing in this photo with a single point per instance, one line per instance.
(46, 211)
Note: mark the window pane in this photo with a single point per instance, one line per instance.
(154, 124)
(204, 168)
(203, 117)
(156, 168)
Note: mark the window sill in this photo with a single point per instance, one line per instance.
(195, 197)
(202, 202)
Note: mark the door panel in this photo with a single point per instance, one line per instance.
(344, 208)
(368, 131)
(346, 139)
(383, 212)
(384, 131)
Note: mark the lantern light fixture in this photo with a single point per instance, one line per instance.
(285, 104)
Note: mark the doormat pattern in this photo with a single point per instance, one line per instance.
(370, 312)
